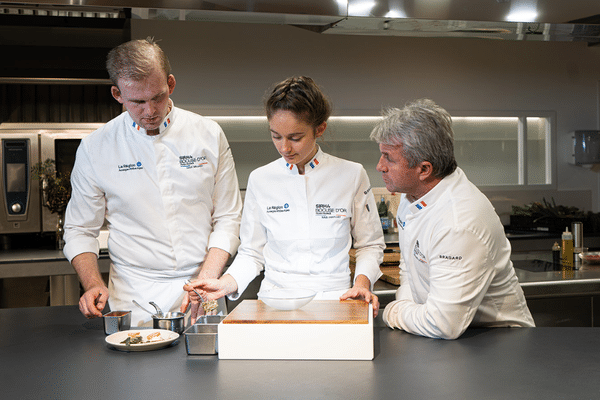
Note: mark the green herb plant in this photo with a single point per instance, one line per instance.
(546, 210)
(56, 187)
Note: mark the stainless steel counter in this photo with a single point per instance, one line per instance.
(536, 281)
(55, 353)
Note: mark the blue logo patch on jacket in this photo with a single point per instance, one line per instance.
(130, 167)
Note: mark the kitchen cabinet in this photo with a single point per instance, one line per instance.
(566, 310)
(558, 297)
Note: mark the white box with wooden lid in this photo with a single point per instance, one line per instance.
(321, 330)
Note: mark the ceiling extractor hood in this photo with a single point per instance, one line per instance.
(576, 20)
(544, 20)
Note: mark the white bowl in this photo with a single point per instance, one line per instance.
(287, 299)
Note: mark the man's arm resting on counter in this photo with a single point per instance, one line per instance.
(95, 297)
(456, 289)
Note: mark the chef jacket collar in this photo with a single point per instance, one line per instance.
(436, 193)
(162, 127)
(311, 165)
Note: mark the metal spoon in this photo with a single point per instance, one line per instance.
(138, 304)
(194, 289)
(159, 312)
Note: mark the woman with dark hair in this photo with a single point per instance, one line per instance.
(304, 211)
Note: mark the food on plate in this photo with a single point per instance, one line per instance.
(137, 338)
(209, 306)
(154, 337)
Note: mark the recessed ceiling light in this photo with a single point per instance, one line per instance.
(522, 16)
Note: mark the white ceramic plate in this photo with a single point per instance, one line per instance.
(286, 299)
(116, 338)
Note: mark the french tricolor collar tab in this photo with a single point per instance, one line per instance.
(418, 206)
(312, 164)
(161, 128)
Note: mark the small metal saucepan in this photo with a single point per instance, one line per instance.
(172, 321)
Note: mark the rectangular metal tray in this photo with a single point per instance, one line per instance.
(202, 337)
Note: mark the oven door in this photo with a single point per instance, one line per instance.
(59, 142)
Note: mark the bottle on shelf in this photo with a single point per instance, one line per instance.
(556, 253)
(382, 209)
(567, 249)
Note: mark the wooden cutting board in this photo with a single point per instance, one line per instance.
(391, 256)
(315, 312)
(391, 274)
(389, 267)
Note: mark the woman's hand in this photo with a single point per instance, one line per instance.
(361, 291)
(209, 289)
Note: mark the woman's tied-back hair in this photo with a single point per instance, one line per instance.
(424, 130)
(136, 60)
(302, 96)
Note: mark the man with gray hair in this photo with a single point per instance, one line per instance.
(165, 180)
(455, 270)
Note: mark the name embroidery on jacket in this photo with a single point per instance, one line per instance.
(192, 161)
(326, 211)
(448, 257)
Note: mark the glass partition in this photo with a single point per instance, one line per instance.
(486, 148)
(503, 150)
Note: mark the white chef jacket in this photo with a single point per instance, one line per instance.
(299, 228)
(456, 269)
(167, 199)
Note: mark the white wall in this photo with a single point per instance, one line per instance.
(225, 69)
